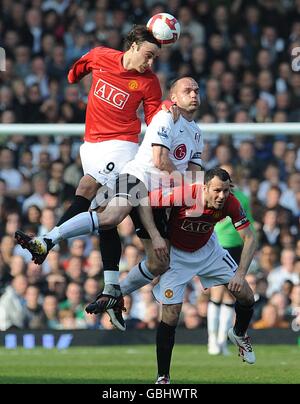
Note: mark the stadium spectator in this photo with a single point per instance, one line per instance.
(12, 312)
(191, 318)
(270, 319)
(50, 312)
(283, 272)
(73, 305)
(33, 309)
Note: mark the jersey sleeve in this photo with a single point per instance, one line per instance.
(82, 67)
(237, 214)
(196, 159)
(161, 129)
(152, 100)
(197, 156)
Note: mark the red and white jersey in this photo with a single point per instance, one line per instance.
(183, 139)
(188, 232)
(115, 96)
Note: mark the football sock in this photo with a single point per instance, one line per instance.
(80, 204)
(79, 225)
(243, 318)
(213, 312)
(225, 322)
(165, 337)
(137, 277)
(111, 249)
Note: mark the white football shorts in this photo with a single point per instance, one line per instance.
(105, 160)
(212, 263)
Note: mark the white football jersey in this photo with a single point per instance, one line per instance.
(183, 139)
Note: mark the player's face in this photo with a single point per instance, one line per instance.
(143, 56)
(216, 193)
(186, 95)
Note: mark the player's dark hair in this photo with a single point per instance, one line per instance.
(216, 172)
(139, 34)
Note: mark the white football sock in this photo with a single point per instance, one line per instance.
(225, 322)
(138, 277)
(79, 225)
(111, 277)
(213, 312)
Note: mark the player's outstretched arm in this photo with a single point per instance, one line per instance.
(81, 68)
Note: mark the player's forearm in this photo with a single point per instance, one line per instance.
(250, 245)
(164, 164)
(146, 215)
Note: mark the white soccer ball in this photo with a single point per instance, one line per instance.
(165, 28)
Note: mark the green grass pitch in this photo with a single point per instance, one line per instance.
(137, 364)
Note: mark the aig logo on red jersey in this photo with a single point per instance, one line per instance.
(196, 227)
(111, 94)
(180, 152)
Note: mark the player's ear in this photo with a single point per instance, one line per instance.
(173, 98)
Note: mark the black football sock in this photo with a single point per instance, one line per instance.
(111, 249)
(165, 338)
(80, 204)
(243, 318)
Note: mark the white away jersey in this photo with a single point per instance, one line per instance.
(183, 139)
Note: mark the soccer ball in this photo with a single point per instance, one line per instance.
(165, 28)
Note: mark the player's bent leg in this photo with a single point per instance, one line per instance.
(114, 213)
(238, 333)
(81, 224)
(165, 339)
(142, 274)
(39, 247)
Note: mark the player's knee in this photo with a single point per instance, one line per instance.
(108, 219)
(247, 299)
(170, 314)
(157, 267)
(87, 187)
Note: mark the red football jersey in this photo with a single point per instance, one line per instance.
(115, 96)
(189, 233)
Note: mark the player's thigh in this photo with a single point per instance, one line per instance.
(104, 160)
(154, 265)
(114, 213)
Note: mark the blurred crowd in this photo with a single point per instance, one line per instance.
(240, 53)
